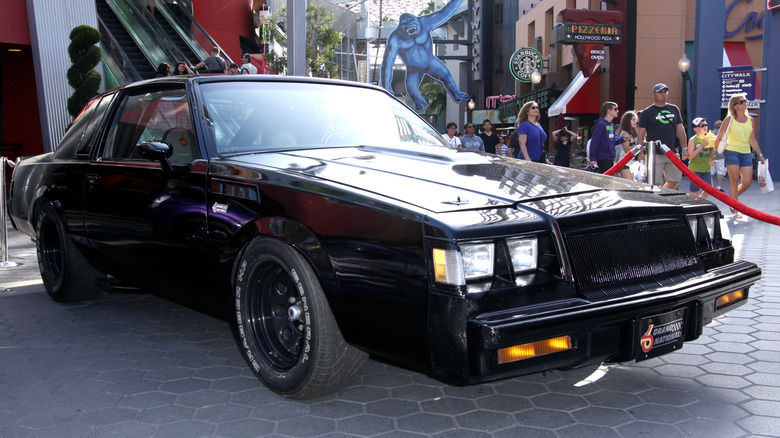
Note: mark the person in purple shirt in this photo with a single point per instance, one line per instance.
(528, 141)
(604, 140)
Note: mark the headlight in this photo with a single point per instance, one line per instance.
(703, 223)
(693, 223)
(725, 232)
(709, 222)
(454, 267)
(524, 253)
(478, 260)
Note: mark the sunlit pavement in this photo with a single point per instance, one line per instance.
(137, 366)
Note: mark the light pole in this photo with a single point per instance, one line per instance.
(469, 106)
(684, 64)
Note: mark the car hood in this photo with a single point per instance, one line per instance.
(440, 179)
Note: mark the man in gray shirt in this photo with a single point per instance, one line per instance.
(471, 141)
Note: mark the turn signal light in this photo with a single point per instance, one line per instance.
(534, 349)
(730, 298)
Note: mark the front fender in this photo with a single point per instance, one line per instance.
(293, 233)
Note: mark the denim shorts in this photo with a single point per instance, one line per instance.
(743, 160)
(705, 176)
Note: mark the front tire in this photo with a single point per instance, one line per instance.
(66, 274)
(286, 330)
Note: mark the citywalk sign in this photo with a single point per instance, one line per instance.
(737, 80)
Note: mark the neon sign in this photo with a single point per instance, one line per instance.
(750, 23)
(492, 101)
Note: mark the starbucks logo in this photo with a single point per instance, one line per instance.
(524, 62)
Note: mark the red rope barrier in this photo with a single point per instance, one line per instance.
(620, 164)
(720, 196)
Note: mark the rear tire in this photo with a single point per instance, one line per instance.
(286, 330)
(66, 274)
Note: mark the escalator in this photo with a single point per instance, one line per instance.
(110, 23)
(190, 57)
(133, 43)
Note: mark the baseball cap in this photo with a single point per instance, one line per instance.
(697, 121)
(659, 87)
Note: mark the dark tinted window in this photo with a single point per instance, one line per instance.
(70, 142)
(92, 128)
(161, 115)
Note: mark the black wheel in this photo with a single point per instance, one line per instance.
(66, 275)
(286, 330)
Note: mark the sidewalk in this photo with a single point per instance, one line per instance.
(135, 365)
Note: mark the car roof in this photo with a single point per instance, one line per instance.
(207, 78)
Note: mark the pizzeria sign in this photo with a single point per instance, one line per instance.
(599, 33)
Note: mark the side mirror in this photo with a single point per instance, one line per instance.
(157, 151)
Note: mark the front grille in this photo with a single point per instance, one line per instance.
(613, 263)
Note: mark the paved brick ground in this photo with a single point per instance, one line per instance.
(137, 366)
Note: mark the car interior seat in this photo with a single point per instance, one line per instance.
(183, 143)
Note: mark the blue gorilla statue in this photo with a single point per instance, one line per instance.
(411, 40)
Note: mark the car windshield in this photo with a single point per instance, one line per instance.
(248, 117)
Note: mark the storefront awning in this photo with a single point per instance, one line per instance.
(580, 97)
(735, 54)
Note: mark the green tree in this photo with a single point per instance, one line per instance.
(428, 8)
(433, 92)
(322, 40)
(82, 76)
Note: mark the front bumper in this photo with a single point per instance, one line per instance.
(601, 331)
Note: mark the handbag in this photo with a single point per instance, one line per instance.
(764, 177)
(722, 144)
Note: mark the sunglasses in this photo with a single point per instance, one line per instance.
(740, 102)
(702, 125)
(534, 107)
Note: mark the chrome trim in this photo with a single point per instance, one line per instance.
(563, 256)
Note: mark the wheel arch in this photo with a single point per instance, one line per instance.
(295, 234)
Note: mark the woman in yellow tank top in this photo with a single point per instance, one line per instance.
(742, 130)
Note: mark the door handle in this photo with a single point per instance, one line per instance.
(92, 181)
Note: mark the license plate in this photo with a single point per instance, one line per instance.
(661, 334)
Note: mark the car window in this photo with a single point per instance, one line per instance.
(92, 129)
(75, 133)
(162, 115)
(263, 116)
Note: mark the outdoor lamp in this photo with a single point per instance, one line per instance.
(471, 104)
(684, 64)
(536, 77)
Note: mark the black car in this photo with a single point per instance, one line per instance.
(330, 221)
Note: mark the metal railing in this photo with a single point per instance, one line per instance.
(4, 263)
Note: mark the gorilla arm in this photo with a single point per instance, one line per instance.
(438, 18)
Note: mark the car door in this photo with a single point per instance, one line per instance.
(149, 222)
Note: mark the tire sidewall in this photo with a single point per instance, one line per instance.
(48, 218)
(258, 253)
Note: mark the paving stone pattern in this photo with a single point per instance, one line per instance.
(138, 366)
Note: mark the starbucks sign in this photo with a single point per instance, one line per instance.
(524, 62)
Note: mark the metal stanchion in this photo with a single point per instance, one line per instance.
(650, 148)
(4, 263)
